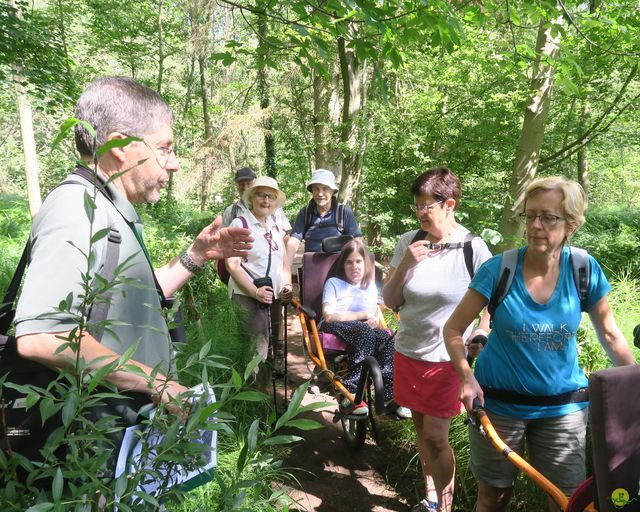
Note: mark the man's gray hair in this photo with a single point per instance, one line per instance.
(118, 104)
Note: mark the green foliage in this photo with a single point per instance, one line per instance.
(612, 236)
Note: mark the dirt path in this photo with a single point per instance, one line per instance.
(331, 476)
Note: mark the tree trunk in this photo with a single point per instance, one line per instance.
(352, 74)
(205, 99)
(326, 115)
(161, 55)
(31, 167)
(263, 93)
(531, 137)
(206, 174)
(583, 160)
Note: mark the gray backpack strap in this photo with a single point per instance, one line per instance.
(100, 309)
(235, 209)
(581, 274)
(507, 271)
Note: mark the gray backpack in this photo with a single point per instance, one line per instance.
(581, 272)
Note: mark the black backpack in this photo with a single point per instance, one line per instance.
(338, 216)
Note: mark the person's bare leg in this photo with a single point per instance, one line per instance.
(492, 499)
(441, 459)
(430, 489)
(553, 506)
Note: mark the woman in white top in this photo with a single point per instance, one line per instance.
(260, 300)
(430, 272)
(350, 311)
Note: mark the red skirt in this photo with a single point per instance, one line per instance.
(425, 387)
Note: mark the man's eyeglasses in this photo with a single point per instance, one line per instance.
(266, 195)
(429, 207)
(165, 151)
(547, 219)
(165, 154)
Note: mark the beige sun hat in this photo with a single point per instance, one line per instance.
(264, 181)
(323, 177)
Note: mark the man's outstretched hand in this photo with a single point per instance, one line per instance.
(215, 243)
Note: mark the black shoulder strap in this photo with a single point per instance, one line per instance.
(467, 250)
(506, 273)
(581, 274)
(100, 309)
(6, 308)
(340, 217)
(307, 218)
(420, 235)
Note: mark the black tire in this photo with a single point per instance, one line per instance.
(355, 431)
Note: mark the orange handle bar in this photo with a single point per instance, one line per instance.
(538, 478)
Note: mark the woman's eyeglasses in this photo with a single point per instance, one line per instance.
(429, 207)
(546, 219)
(266, 195)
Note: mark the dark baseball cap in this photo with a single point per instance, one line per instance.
(246, 173)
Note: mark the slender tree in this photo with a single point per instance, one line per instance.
(527, 156)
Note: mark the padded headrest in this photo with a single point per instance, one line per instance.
(317, 267)
(335, 243)
(615, 432)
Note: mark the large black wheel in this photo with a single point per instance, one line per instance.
(355, 430)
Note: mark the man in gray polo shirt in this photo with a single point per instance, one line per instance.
(117, 108)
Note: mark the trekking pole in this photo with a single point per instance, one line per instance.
(273, 357)
(286, 355)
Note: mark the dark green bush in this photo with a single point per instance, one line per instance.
(612, 236)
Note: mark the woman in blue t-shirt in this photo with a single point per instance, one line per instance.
(350, 311)
(532, 352)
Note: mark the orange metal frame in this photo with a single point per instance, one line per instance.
(538, 478)
(310, 330)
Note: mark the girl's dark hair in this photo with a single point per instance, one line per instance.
(347, 250)
(439, 183)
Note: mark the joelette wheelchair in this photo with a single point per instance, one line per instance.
(328, 352)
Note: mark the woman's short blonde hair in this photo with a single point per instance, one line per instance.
(574, 202)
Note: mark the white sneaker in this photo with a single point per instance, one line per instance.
(403, 412)
(391, 407)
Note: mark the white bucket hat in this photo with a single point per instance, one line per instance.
(264, 181)
(323, 177)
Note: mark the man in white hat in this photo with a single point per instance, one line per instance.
(323, 217)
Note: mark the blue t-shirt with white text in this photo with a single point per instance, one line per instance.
(532, 347)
